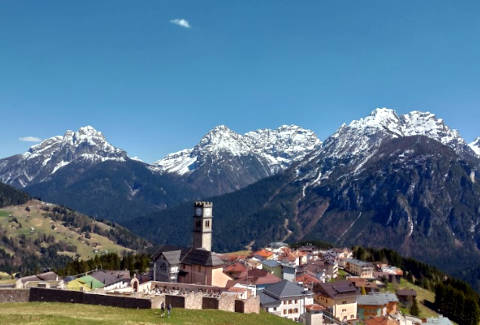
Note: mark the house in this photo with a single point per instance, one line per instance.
(285, 299)
(360, 268)
(288, 272)
(377, 304)
(307, 279)
(324, 270)
(235, 270)
(112, 280)
(370, 286)
(256, 278)
(388, 273)
(43, 280)
(340, 255)
(314, 315)
(340, 297)
(273, 267)
(85, 283)
(197, 264)
(406, 297)
(262, 255)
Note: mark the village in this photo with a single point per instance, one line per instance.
(306, 284)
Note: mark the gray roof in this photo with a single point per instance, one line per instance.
(202, 257)
(336, 289)
(377, 299)
(270, 263)
(196, 256)
(173, 257)
(110, 277)
(285, 289)
(268, 301)
(359, 262)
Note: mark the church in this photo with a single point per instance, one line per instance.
(197, 264)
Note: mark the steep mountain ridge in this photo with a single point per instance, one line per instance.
(82, 170)
(277, 148)
(475, 146)
(43, 160)
(224, 161)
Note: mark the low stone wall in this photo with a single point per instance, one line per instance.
(209, 303)
(192, 300)
(55, 295)
(226, 302)
(251, 305)
(175, 301)
(14, 295)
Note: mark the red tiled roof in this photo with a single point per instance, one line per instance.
(263, 253)
(307, 278)
(315, 307)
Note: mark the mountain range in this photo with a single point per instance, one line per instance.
(407, 182)
(84, 171)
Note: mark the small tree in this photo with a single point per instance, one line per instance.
(414, 311)
(364, 292)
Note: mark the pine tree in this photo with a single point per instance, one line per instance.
(414, 311)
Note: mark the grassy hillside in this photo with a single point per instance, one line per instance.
(57, 313)
(37, 235)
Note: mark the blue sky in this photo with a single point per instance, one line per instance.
(153, 86)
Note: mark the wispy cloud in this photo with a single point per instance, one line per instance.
(30, 139)
(181, 22)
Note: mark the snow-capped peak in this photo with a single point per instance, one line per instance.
(276, 149)
(46, 158)
(475, 145)
(365, 134)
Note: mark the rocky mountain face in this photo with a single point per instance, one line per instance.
(83, 171)
(43, 160)
(406, 182)
(475, 146)
(224, 161)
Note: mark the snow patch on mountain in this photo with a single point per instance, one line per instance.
(475, 146)
(46, 158)
(277, 149)
(353, 145)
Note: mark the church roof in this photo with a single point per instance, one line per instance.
(202, 257)
(196, 256)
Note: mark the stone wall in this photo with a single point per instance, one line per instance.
(193, 300)
(226, 302)
(55, 295)
(14, 295)
(209, 303)
(175, 301)
(251, 305)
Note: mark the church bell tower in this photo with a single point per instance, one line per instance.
(202, 225)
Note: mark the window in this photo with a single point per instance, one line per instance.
(284, 311)
(295, 310)
(352, 316)
(207, 224)
(296, 301)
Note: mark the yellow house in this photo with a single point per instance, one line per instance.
(340, 297)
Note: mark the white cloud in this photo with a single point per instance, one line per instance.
(30, 139)
(181, 22)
